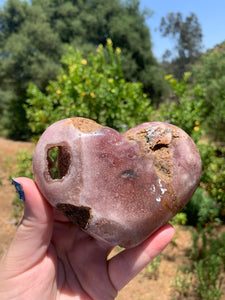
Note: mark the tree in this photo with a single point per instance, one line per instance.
(188, 36)
(86, 24)
(33, 36)
(29, 51)
(98, 20)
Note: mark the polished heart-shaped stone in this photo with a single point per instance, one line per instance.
(117, 187)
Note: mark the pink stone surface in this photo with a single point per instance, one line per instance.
(118, 187)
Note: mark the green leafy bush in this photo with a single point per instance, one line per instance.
(94, 88)
(209, 279)
(209, 75)
(187, 108)
(208, 256)
(179, 219)
(200, 98)
(213, 171)
(201, 208)
(181, 285)
(202, 278)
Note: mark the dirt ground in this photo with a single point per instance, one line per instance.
(144, 286)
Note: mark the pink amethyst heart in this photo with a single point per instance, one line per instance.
(117, 187)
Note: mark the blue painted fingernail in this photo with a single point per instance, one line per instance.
(19, 189)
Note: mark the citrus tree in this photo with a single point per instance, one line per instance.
(93, 88)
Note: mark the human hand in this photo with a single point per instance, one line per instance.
(50, 258)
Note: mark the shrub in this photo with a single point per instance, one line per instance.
(209, 74)
(181, 285)
(207, 254)
(201, 208)
(213, 171)
(179, 219)
(94, 88)
(187, 111)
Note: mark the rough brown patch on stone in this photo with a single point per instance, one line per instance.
(79, 215)
(172, 204)
(85, 125)
(64, 161)
(156, 143)
(162, 162)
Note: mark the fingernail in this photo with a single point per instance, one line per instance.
(19, 189)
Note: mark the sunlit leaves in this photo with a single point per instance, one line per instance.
(92, 87)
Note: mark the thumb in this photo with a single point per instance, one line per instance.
(33, 236)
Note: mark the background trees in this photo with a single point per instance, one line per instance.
(187, 34)
(29, 51)
(33, 36)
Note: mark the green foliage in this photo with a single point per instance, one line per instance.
(209, 279)
(209, 75)
(207, 259)
(179, 219)
(89, 23)
(213, 171)
(208, 203)
(94, 88)
(187, 111)
(34, 35)
(14, 120)
(181, 285)
(29, 51)
(201, 209)
(208, 253)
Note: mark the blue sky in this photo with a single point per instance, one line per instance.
(211, 16)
